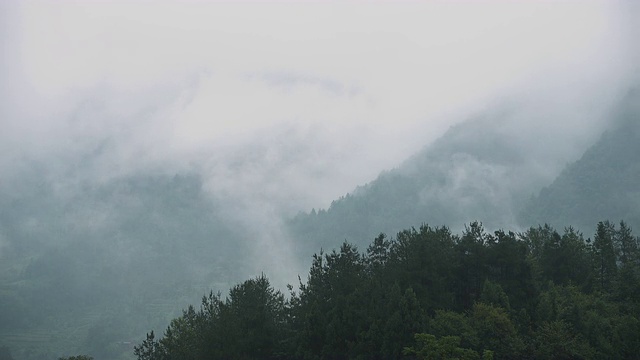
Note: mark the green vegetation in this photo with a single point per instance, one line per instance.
(430, 294)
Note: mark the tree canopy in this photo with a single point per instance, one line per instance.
(431, 294)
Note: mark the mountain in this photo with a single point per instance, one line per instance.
(89, 267)
(604, 184)
(491, 168)
(478, 170)
(96, 250)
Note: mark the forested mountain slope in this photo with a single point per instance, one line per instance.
(483, 168)
(603, 184)
(87, 266)
(490, 168)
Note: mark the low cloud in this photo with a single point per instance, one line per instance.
(285, 107)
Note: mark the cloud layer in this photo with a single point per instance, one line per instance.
(283, 106)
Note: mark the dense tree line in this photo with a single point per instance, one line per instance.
(431, 294)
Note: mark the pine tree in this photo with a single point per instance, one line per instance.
(149, 349)
(604, 256)
(626, 246)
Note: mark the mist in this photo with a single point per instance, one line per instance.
(284, 107)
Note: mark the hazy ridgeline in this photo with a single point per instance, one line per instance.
(480, 169)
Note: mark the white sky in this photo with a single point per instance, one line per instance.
(363, 86)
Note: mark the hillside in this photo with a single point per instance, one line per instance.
(490, 169)
(481, 169)
(602, 184)
(88, 266)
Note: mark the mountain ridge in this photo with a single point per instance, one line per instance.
(602, 184)
(478, 170)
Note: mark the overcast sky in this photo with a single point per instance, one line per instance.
(330, 94)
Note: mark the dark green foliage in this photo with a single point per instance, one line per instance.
(429, 294)
(588, 316)
(492, 294)
(446, 348)
(78, 357)
(149, 349)
(557, 340)
(508, 267)
(424, 261)
(562, 259)
(249, 324)
(450, 322)
(626, 246)
(254, 315)
(496, 331)
(472, 269)
(604, 256)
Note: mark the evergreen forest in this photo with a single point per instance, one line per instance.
(431, 294)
